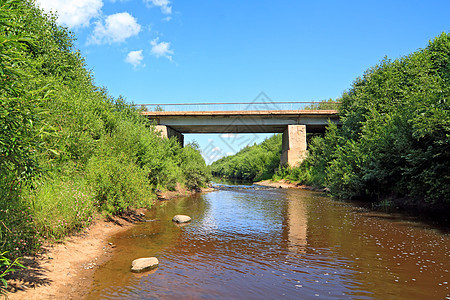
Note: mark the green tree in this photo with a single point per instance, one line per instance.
(394, 138)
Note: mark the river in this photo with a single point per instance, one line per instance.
(247, 243)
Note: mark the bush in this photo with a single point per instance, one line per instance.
(18, 234)
(60, 206)
(67, 148)
(394, 138)
(118, 184)
(194, 168)
(7, 266)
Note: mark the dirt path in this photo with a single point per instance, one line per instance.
(65, 271)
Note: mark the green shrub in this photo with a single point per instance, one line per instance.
(255, 162)
(194, 168)
(7, 266)
(394, 137)
(66, 147)
(18, 234)
(118, 184)
(60, 206)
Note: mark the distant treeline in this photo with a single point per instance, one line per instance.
(394, 142)
(255, 162)
(67, 148)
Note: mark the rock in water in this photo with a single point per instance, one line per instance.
(144, 264)
(181, 219)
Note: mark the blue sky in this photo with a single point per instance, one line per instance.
(161, 51)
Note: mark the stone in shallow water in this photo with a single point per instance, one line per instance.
(144, 264)
(181, 219)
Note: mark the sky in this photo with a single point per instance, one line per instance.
(173, 51)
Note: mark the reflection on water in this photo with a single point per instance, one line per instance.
(296, 223)
(276, 243)
(231, 181)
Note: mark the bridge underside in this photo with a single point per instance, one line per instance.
(245, 128)
(293, 124)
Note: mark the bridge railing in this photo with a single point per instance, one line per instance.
(241, 106)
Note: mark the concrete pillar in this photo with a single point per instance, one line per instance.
(167, 132)
(293, 149)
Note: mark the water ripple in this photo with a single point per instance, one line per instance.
(259, 244)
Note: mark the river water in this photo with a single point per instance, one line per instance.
(246, 243)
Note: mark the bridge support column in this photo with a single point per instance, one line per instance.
(293, 149)
(167, 132)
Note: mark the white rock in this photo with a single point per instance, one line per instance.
(181, 219)
(144, 264)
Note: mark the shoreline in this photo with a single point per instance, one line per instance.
(65, 270)
(409, 207)
(285, 184)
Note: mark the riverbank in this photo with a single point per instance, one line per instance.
(410, 207)
(66, 270)
(284, 184)
(181, 192)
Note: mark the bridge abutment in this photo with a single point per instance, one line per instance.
(293, 147)
(168, 132)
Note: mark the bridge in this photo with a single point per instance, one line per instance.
(293, 119)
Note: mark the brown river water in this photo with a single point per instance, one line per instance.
(246, 243)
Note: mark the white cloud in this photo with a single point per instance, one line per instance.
(73, 13)
(115, 29)
(228, 135)
(163, 4)
(216, 149)
(135, 58)
(161, 49)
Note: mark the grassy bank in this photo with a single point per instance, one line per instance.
(67, 148)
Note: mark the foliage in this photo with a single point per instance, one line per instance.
(329, 104)
(193, 166)
(118, 183)
(60, 206)
(255, 162)
(17, 229)
(7, 266)
(68, 149)
(394, 139)
(321, 150)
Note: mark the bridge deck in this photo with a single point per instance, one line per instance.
(254, 121)
(330, 113)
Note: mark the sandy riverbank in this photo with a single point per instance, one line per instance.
(284, 184)
(65, 270)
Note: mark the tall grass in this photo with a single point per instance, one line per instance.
(60, 206)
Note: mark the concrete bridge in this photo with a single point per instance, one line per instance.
(293, 123)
